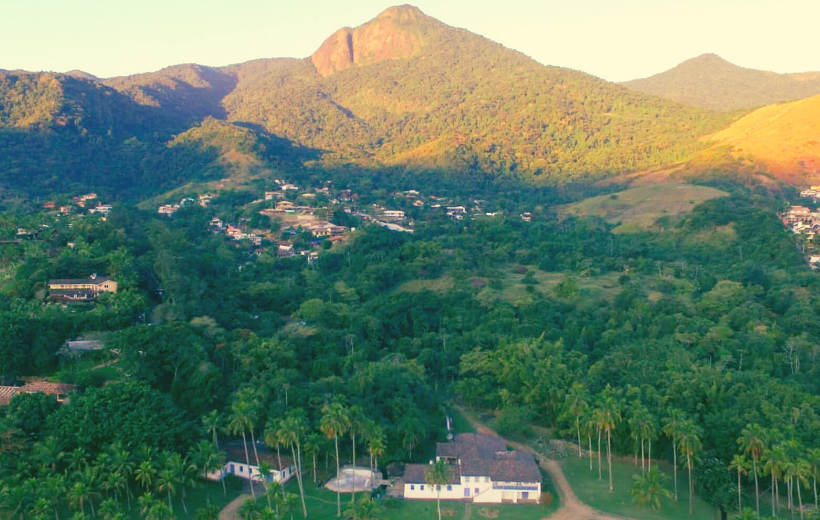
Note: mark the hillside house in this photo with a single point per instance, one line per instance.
(393, 214)
(50, 205)
(481, 470)
(326, 230)
(270, 195)
(168, 210)
(237, 464)
(285, 250)
(290, 187)
(103, 209)
(526, 217)
(80, 290)
(60, 391)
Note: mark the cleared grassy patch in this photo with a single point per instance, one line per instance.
(596, 493)
(443, 284)
(602, 286)
(638, 209)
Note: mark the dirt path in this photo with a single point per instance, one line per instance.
(571, 506)
(230, 511)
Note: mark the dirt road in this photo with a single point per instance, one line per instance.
(231, 510)
(571, 507)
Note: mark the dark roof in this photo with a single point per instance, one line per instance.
(77, 281)
(414, 473)
(471, 446)
(515, 466)
(46, 387)
(235, 452)
(486, 456)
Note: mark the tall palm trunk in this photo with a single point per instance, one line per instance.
(739, 500)
(314, 467)
(248, 460)
(800, 499)
(649, 459)
(578, 429)
(170, 505)
(691, 491)
(438, 502)
(643, 461)
(353, 480)
(299, 477)
(338, 495)
(278, 456)
(256, 453)
(600, 475)
(757, 490)
(774, 488)
(675, 454)
(609, 455)
(815, 493)
(589, 437)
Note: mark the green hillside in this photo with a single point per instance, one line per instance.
(415, 92)
(711, 82)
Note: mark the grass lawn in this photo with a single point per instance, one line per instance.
(321, 505)
(460, 423)
(637, 209)
(596, 494)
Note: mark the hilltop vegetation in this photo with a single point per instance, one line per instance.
(783, 138)
(711, 82)
(415, 94)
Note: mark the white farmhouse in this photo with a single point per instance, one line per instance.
(481, 471)
(237, 464)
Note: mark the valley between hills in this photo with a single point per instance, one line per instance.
(352, 272)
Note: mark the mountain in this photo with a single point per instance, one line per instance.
(405, 89)
(785, 138)
(401, 91)
(82, 75)
(711, 82)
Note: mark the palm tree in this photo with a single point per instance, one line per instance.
(17, 499)
(609, 418)
(649, 431)
(335, 422)
(108, 508)
(800, 473)
(814, 461)
(248, 510)
(741, 465)
(672, 429)
(365, 509)
(774, 462)
(292, 429)
(144, 502)
(77, 460)
(239, 423)
(77, 495)
(376, 446)
(358, 423)
(211, 423)
(648, 488)
(437, 475)
(753, 441)
(272, 437)
(121, 463)
(184, 475)
(115, 483)
(208, 460)
(90, 477)
(167, 483)
(576, 404)
(313, 445)
(145, 474)
(690, 445)
(48, 452)
(746, 514)
(589, 426)
(53, 488)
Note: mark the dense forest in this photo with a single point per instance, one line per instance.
(704, 328)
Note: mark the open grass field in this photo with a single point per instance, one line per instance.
(596, 493)
(321, 505)
(639, 208)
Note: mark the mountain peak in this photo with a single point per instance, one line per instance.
(404, 13)
(392, 35)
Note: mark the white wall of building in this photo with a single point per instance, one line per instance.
(242, 470)
(428, 492)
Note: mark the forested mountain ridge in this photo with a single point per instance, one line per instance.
(711, 82)
(406, 89)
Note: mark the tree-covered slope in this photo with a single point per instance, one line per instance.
(409, 90)
(61, 133)
(711, 82)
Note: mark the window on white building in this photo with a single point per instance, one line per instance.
(422, 487)
(412, 487)
(466, 479)
(449, 488)
(486, 479)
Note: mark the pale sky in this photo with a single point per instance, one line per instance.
(615, 39)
